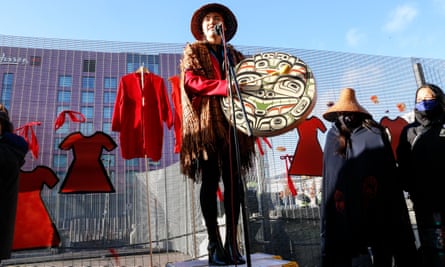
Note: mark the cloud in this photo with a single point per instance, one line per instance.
(354, 37)
(400, 18)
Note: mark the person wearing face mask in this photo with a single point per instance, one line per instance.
(208, 150)
(421, 161)
(364, 217)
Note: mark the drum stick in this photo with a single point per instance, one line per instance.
(284, 70)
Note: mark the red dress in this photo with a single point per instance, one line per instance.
(34, 228)
(134, 121)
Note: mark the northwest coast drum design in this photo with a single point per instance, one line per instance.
(277, 90)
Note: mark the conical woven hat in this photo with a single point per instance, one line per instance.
(346, 103)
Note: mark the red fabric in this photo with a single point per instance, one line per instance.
(267, 142)
(177, 119)
(206, 87)
(115, 256)
(33, 227)
(75, 116)
(260, 147)
(290, 184)
(219, 194)
(308, 156)
(395, 127)
(87, 173)
(33, 143)
(133, 119)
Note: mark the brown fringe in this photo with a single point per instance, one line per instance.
(205, 130)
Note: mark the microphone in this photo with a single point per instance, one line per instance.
(218, 29)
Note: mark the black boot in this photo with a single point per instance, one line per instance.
(217, 255)
(232, 252)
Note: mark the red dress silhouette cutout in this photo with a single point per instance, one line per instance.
(87, 173)
(33, 227)
(395, 128)
(308, 156)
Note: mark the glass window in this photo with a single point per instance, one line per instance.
(87, 97)
(110, 82)
(132, 162)
(108, 160)
(88, 112)
(62, 108)
(57, 142)
(63, 96)
(106, 127)
(108, 112)
(89, 65)
(35, 61)
(64, 128)
(88, 82)
(109, 97)
(65, 81)
(154, 164)
(59, 161)
(87, 128)
(61, 175)
(8, 79)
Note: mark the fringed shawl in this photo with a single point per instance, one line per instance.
(205, 130)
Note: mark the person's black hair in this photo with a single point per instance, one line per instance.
(438, 92)
(5, 122)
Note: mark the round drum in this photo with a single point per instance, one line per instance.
(277, 90)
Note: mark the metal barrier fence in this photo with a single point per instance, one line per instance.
(153, 209)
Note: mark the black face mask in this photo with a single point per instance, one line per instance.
(350, 120)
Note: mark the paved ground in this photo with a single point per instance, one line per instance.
(141, 260)
(94, 259)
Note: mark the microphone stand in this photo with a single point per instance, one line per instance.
(231, 78)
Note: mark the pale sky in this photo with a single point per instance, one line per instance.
(390, 28)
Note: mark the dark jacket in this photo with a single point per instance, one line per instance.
(16, 144)
(362, 206)
(422, 164)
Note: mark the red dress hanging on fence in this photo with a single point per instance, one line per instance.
(133, 120)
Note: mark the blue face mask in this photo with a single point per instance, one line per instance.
(426, 105)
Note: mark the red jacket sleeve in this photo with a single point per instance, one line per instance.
(200, 85)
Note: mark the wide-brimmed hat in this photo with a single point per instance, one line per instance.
(346, 103)
(229, 18)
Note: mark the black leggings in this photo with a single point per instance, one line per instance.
(211, 174)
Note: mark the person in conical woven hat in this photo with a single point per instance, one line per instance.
(347, 102)
(362, 205)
